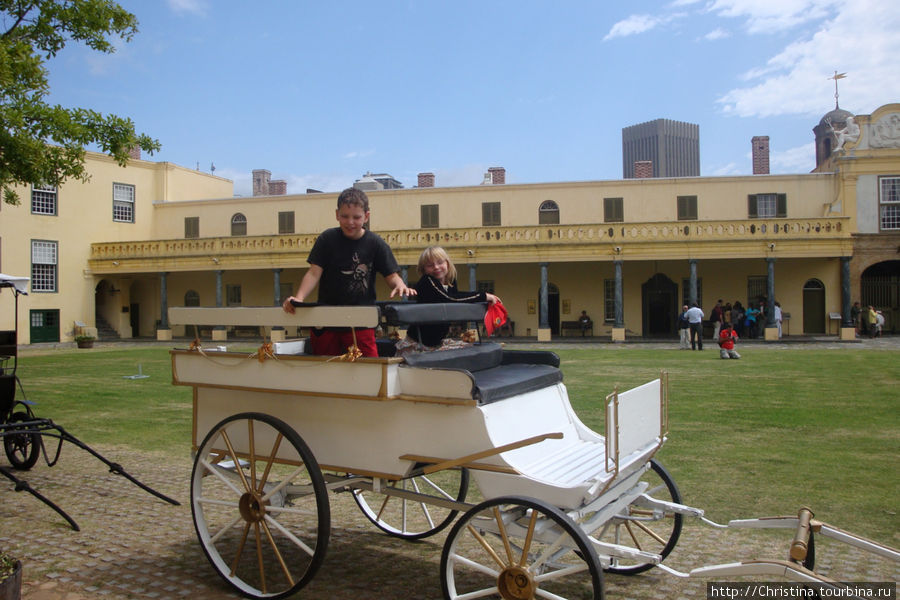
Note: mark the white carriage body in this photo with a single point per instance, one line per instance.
(380, 417)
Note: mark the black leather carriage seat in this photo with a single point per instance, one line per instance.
(496, 373)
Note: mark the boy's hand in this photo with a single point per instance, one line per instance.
(492, 299)
(402, 290)
(287, 306)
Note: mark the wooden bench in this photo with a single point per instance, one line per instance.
(577, 326)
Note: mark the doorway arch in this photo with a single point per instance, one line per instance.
(659, 302)
(813, 306)
(880, 287)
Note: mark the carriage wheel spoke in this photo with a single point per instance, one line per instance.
(503, 535)
(240, 550)
(284, 568)
(634, 539)
(269, 462)
(237, 465)
(259, 558)
(486, 546)
(528, 538)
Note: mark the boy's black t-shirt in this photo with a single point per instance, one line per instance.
(349, 266)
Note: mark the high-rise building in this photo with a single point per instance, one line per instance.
(672, 146)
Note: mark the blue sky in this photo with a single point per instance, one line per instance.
(319, 93)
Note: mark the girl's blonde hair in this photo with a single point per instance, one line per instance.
(433, 254)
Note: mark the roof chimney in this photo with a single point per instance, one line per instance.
(498, 175)
(760, 154)
(643, 169)
(261, 179)
(426, 180)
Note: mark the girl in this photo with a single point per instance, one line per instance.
(438, 284)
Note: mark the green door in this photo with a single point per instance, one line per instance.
(44, 326)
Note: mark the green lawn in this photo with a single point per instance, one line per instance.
(759, 436)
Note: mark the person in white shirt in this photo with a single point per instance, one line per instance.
(695, 320)
(778, 317)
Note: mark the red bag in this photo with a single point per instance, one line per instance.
(494, 317)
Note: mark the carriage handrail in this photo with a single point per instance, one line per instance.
(456, 462)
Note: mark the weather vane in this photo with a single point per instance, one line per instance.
(837, 76)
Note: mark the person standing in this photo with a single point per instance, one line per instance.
(343, 263)
(695, 319)
(778, 317)
(871, 320)
(717, 317)
(684, 329)
(855, 311)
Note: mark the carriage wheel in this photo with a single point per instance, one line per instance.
(519, 548)
(643, 528)
(22, 449)
(260, 506)
(412, 519)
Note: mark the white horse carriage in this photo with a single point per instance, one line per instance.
(553, 504)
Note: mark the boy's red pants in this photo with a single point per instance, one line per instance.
(334, 342)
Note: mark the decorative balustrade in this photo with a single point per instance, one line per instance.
(814, 229)
(698, 231)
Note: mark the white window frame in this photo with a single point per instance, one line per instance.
(889, 203)
(238, 225)
(44, 200)
(766, 206)
(123, 203)
(44, 266)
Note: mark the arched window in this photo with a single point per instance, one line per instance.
(191, 298)
(238, 224)
(548, 213)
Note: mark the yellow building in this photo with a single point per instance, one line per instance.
(48, 237)
(628, 252)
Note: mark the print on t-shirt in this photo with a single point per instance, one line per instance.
(359, 276)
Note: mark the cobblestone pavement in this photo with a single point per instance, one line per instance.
(134, 546)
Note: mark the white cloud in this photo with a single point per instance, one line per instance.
(794, 160)
(716, 34)
(633, 25)
(723, 170)
(197, 7)
(860, 40)
(471, 174)
(764, 16)
(359, 153)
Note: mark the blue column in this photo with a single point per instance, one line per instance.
(404, 275)
(163, 301)
(473, 282)
(219, 303)
(770, 292)
(619, 322)
(276, 276)
(692, 293)
(276, 295)
(544, 318)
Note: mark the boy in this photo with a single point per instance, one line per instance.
(343, 262)
(727, 338)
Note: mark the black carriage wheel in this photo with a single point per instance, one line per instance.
(644, 528)
(517, 548)
(260, 506)
(22, 449)
(412, 519)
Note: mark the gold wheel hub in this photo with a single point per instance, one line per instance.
(252, 507)
(516, 583)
